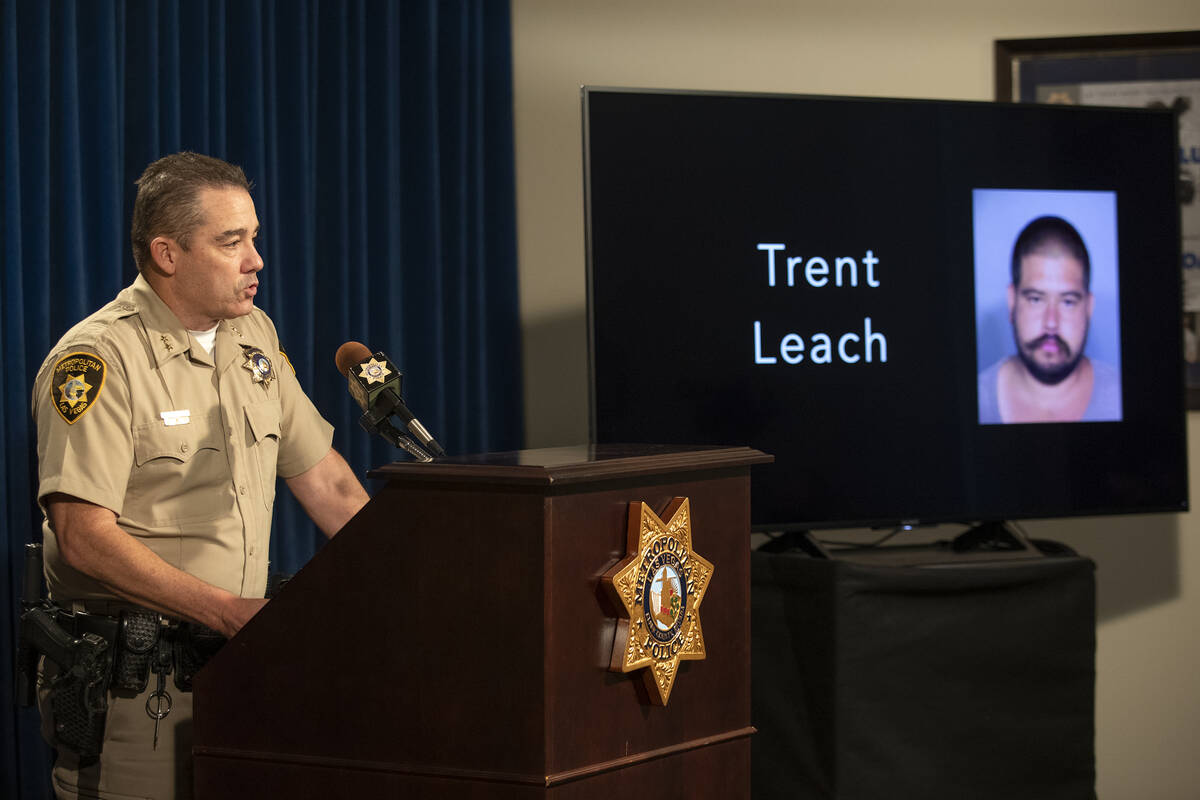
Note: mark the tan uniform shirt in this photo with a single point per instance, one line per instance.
(183, 445)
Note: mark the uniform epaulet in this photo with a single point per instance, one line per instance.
(90, 329)
(111, 312)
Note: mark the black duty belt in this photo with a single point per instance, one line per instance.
(135, 635)
(99, 652)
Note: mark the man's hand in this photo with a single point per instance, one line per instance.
(237, 612)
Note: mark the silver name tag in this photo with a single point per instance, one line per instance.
(170, 418)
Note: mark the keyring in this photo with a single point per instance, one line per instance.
(159, 713)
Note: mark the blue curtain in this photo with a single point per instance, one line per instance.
(379, 139)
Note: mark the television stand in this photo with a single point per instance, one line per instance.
(985, 542)
(995, 538)
(885, 677)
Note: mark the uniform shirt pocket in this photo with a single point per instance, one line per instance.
(179, 471)
(262, 422)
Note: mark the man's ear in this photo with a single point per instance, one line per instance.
(1012, 300)
(165, 252)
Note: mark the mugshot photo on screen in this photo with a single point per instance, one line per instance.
(1046, 306)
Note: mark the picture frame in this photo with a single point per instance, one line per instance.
(1144, 69)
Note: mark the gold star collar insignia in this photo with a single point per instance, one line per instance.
(660, 586)
(374, 371)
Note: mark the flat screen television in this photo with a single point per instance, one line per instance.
(827, 279)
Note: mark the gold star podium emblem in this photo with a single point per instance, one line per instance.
(660, 584)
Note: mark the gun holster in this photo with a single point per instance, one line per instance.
(78, 649)
(79, 680)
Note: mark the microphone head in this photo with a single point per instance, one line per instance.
(350, 355)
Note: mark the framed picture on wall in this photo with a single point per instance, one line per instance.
(1146, 70)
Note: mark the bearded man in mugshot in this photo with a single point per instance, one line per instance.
(1050, 304)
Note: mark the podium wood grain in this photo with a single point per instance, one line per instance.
(453, 641)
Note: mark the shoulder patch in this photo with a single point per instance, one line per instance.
(75, 384)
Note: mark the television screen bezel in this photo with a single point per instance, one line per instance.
(936, 518)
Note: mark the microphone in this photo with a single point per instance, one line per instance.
(376, 385)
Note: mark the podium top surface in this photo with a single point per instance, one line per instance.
(559, 466)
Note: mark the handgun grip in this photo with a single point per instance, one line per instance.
(40, 633)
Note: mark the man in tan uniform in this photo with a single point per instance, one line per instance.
(163, 420)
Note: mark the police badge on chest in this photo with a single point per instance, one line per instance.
(261, 370)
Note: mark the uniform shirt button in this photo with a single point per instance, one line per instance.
(183, 448)
(242, 490)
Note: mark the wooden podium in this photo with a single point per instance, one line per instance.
(453, 641)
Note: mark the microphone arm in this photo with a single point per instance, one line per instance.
(397, 439)
(376, 421)
(391, 403)
(412, 448)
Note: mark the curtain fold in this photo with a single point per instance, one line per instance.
(378, 136)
